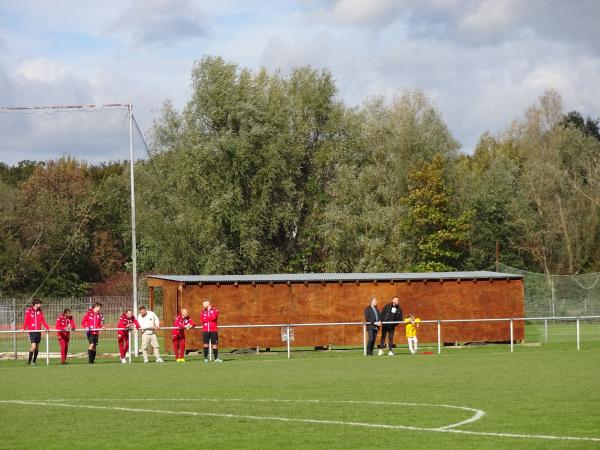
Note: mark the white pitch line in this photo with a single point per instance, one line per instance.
(311, 421)
(477, 413)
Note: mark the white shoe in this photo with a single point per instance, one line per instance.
(123, 361)
(390, 353)
(159, 360)
(380, 352)
(145, 360)
(218, 360)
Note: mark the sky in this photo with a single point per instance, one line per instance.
(482, 62)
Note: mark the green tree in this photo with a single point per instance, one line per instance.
(437, 238)
(10, 245)
(241, 168)
(382, 143)
(53, 217)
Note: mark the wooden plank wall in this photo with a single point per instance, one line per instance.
(345, 302)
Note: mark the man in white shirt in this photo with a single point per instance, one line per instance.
(149, 323)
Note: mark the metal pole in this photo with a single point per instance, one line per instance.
(289, 353)
(47, 347)
(497, 256)
(14, 327)
(133, 237)
(210, 350)
(511, 336)
(546, 331)
(439, 336)
(553, 295)
(364, 339)
(577, 324)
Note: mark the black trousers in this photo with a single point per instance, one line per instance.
(372, 335)
(390, 333)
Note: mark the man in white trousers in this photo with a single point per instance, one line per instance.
(149, 323)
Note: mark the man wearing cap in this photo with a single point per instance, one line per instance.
(149, 323)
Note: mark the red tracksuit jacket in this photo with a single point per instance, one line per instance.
(62, 322)
(125, 322)
(181, 322)
(209, 319)
(93, 320)
(34, 319)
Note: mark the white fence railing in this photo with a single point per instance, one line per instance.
(287, 330)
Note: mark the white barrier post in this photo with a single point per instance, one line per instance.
(14, 327)
(546, 331)
(364, 339)
(131, 348)
(577, 324)
(289, 355)
(210, 355)
(439, 337)
(47, 347)
(511, 336)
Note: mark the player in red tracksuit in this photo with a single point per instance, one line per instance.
(64, 325)
(182, 322)
(93, 321)
(126, 321)
(34, 320)
(208, 317)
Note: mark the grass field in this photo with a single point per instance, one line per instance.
(537, 397)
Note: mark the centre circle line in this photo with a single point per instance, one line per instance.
(300, 420)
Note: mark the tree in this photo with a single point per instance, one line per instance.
(241, 168)
(53, 215)
(588, 127)
(383, 143)
(437, 238)
(10, 247)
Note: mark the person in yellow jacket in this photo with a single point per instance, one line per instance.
(412, 324)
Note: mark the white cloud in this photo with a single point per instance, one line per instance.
(158, 23)
(42, 70)
(373, 12)
(490, 16)
(311, 50)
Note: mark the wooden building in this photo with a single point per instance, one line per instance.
(342, 297)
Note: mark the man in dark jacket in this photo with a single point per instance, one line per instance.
(392, 312)
(373, 319)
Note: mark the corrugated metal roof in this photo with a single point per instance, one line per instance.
(336, 277)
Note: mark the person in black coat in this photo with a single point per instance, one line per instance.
(392, 312)
(373, 320)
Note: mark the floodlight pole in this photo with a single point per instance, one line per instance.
(133, 237)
